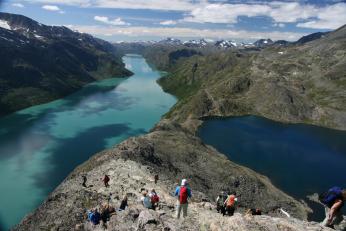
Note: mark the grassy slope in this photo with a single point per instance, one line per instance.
(302, 83)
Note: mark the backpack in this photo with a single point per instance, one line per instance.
(183, 195)
(333, 194)
(155, 198)
(230, 201)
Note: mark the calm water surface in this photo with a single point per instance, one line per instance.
(299, 159)
(41, 145)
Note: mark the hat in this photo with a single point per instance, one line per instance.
(183, 182)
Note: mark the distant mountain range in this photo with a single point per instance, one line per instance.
(225, 44)
(41, 63)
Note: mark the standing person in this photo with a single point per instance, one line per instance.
(123, 203)
(333, 201)
(156, 178)
(183, 192)
(220, 200)
(84, 180)
(105, 180)
(230, 204)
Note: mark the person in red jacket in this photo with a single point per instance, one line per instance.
(183, 192)
(230, 204)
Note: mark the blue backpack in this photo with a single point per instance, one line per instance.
(331, 196)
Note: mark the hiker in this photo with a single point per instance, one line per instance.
(123, 203)
(106, 212)
(84, 180)
(220, 207)
(94, 216)
(146, 201)
(106, 180)
(230, 204)
(333, 201)
(183, 192)
(156, 178)
(154, 199)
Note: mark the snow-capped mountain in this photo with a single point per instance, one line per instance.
(225, 44)
(263, 42)
(196, 43)
(170, 41)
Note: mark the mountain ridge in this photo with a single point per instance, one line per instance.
(44, 63)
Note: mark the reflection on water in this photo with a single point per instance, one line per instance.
(41, 145)
(299, 159)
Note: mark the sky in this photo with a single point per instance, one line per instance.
(141, 20)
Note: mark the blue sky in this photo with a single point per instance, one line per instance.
(134, 20)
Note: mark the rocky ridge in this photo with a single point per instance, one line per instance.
(131, 166)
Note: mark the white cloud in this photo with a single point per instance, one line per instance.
(20, 5)
(225, 13)
(202, 11)
(115, 22)
(163, 32)
(168, 22)
(281, 25)
(331, 17)
(181, 5)
(326, 17)
(80, 3)
(51, 8)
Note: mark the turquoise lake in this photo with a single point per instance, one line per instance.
(41, 145)
(299, 159)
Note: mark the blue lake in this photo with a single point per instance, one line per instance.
(299, 159)
(41, 145)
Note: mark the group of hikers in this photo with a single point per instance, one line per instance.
(150, 200)
(96, 217)
(226, 203)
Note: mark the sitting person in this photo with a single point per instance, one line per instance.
(146, 201)
(94, 216)
(123, 203)
(154, 199)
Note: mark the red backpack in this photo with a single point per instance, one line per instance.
(155, 198)
(183, 195)
(230, 201)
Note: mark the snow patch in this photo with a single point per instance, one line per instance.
(10, 40)
(38, 36)
(4, 24)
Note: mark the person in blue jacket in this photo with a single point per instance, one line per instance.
(183, 193)
(94, 217)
